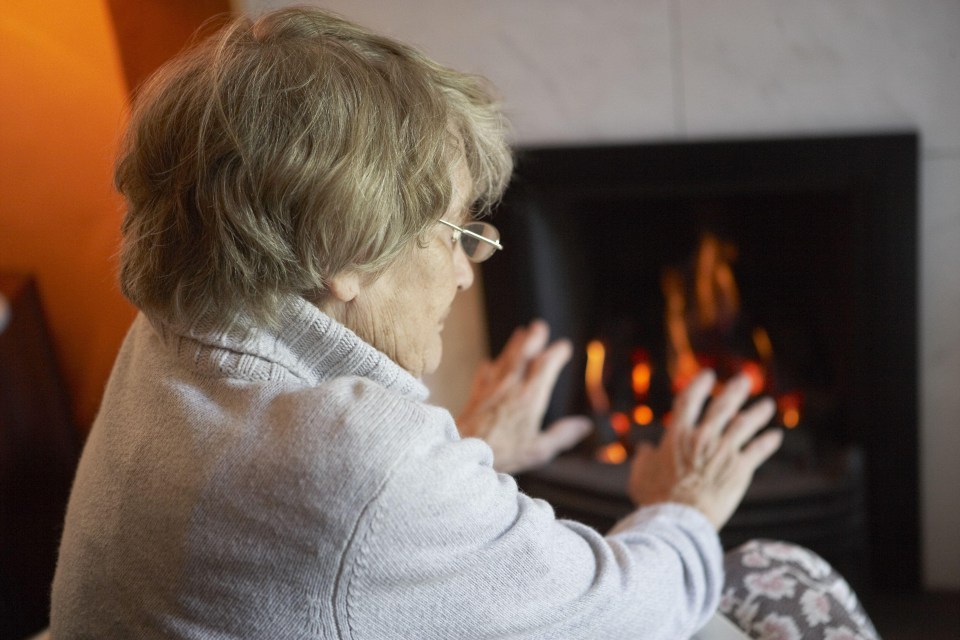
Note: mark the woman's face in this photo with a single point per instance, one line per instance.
(402, 312)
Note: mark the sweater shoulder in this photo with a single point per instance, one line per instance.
(351, 426)
(358, 411)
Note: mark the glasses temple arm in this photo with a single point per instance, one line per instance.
(480, 237)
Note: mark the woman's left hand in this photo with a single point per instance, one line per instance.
(509, 397)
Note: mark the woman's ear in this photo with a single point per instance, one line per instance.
(345, 286)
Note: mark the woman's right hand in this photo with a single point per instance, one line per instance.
(706, 462)
(509, 398)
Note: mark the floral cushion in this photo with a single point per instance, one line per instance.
(779, 591)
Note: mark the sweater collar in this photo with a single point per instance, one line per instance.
(306, 343)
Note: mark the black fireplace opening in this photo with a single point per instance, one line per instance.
(791, 259)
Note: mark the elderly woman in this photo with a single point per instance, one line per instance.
(303, 200)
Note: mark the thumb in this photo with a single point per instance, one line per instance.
(566, 432)
(559, 436)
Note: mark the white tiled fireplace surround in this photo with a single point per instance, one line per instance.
(583, 71)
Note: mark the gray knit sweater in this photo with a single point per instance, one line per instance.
(295, 484)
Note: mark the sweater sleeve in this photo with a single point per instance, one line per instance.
(451, 549)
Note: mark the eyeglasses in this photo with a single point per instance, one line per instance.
(479, 239)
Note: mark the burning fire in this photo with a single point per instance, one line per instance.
(702, 314)
(711, 320)
(620, 423)
(716, 307)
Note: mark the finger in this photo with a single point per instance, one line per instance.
(522, 361)
(689, 403)
(524, 344)
(538, 333)
(512, 349)
(643, 451)
(482, 389)
(563, 434)
(545, 369)
(638, 483)
(761, 448)
(746, 425)
(725, 406)
(506, 368)
(482, 376)
(642, 454)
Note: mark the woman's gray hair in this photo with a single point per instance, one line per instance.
(285, 150)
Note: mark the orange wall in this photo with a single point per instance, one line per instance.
(62, 102)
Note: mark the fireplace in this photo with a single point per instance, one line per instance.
(791, 259)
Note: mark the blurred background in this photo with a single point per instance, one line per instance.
(570, 72)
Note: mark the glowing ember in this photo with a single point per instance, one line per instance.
(614, 453)
(620, 423)
(789, 405)
(791, 418)
(642, 414)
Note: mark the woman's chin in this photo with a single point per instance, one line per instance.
(431, 359)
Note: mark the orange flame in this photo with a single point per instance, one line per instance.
(761, 342)
(683, 365)
(709, 300)
(593, 377)
(641, 378)
(755, 372)
(717, 296)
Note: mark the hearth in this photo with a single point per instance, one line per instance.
(793, 260)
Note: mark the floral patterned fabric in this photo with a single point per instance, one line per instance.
(779, 591)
